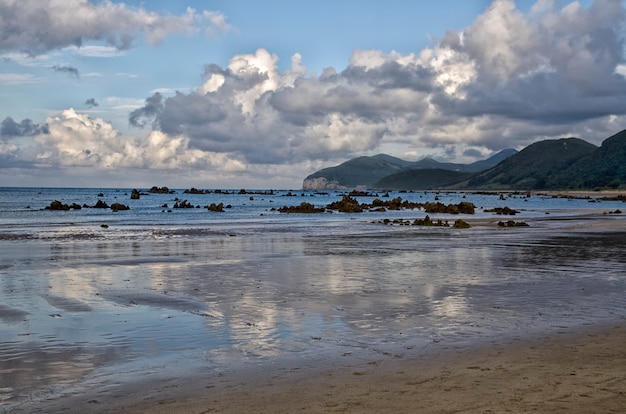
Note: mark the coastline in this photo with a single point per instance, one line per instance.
(583, 370)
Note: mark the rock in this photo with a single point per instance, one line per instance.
(134, 195)
(101, 204)
(161, 190)
(216, 207)
(502, 211)
(183, 204)
(304, 207)
(57, 205)
(346, 205)
(119, 207)
(461, 224)
(511, 223)
(464, 207)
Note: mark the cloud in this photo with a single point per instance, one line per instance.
(71, 71)
(505, 81)
(91, 103)
(147, 113)
(40, 26)
(77, 140)
(10, 128)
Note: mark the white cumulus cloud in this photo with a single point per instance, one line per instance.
(39, 26)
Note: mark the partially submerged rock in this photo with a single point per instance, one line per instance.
(507, 211)
(511, 223)
(303, 208)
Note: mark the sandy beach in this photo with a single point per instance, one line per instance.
(564, 372)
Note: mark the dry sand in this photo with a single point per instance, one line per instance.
(565, 372)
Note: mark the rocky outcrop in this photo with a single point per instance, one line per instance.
(346, 205)
(100, 204)
(502, 211)
(134, 195)
(183, 204)
(115, 207)
(464, 207)
(511, 223)
(57, 205)
(160, 190)
(219, 208)
(303, 208)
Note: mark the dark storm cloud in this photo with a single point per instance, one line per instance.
(392, 75)
(190, 114)
(91, 103)
(140, 117)
(71, 71)
(10, 128)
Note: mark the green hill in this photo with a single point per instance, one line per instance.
(365, 172)
(604, 167)
(559, 164)
(357, 172)
(423, 179)
(535, 167)
(478, 166)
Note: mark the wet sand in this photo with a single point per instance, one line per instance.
(562, 370)
(582, 371)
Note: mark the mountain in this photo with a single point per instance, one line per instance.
(605, 167)
(535, 167)
(423, 179)
(355, 173)
(559, 164)
(365, 172)
(478, 166)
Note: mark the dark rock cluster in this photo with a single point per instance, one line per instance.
(426, 221)
(348, 204)
(59, 206)
(511, 223)
(503, 211)
(304, 207)
(160, 190)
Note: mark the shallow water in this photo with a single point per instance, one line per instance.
(168, 294)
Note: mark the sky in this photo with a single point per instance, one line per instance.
(248, 94)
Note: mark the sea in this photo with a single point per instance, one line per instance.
(93, 298)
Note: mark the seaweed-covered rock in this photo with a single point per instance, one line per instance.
(101, 204)
(134, 195)
(160, 190)
(511, 223)
(464, 207)
(346, 205)
(183, 204)
(216, 207)
(119, 207)
(57, 205)
(507, 211)
(461, 224)
(303, 208)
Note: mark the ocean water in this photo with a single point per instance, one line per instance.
(92, 298)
